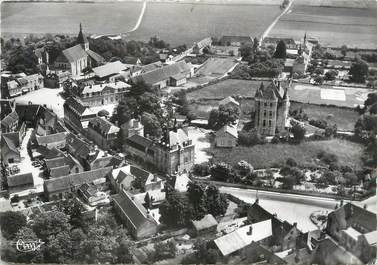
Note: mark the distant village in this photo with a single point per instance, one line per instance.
(118, 159)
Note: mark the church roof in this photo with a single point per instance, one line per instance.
(74, 53)
(95, 56)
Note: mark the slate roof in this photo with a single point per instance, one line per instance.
(51, 138)
(228, 100)
(109, 69)
(103, 126)
(232, 130)
(371, 238)
(101, 87)
(55, 162)
(163, 73)
(150, 67)
(125, 179)
(74, 53)
(95, 56)
(207, 221)
(11, 140)
(351, 215)
(29, 112)
(241, 238)
(141, 141)
(20, 180)
(79, 147)
(133, 209)
(59, 171)
(10, 119)
(108, 161)
(76, 104)
(65, 182)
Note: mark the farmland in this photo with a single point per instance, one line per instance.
(176, 23)
(213, 68)
(345, 119)
(229, 87)
(332, 26)
(269, 155)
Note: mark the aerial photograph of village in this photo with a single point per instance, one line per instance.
(188, 132)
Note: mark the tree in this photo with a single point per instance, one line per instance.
(50, 223)
(318, 80)
(281, 50)
(331, 75)
(11, 222)
(291, 162)
(359, 71)
(298, 132)
(197, 198)
(344, 50)
(250, 138)
(217, 203)
(244, 168)
(246, 51)
(122, 252)
(73, 208)
(139, 87)
(224, 115)
(205, 254)
(151, 124)
(164, 250)
(175, 211)
(373, 109)
(371, 99)
(221, 171)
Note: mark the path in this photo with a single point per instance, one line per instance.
(267, 31)
(140, 17)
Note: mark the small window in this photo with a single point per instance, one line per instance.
(271, 104)
(269, 123)
(265, 104)
(264, 123)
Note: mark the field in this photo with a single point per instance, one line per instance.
(263, 156)
(64, 18)
(345, 119)
(332, 26)
(228, 87)
(176, 23)
(340, 96)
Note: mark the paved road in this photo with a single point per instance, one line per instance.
(289, 207)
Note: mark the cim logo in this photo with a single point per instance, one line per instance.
(29, 246)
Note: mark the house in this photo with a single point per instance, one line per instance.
(256, 253)
(354, 228)
(10, 122)
(57, 188)
(237, 41)
(174, 153)
(272, 107)
(42, 56)
(122, 178)
(103, 133)
(132, 127)
(244, 236)
(79, 57)
(59, 165)
(77, 114)
(134, 215)
(106, 160)
(20, 182)
(30, 113)
(272, 41)
(104, 94)
(229, 102)
(227, 136)
(206, 225)
(161, 77)
(57, 140)
(112, 71)
(10, 144)
(47, 123)
(31, 82)
(284, 234)
(304, 55)
(155, 197)
(201, 45)
(14, 88)
(56, 79)
(90, 193)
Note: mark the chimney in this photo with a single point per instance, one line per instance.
(250, 232)
(295, 224)
(154, 178)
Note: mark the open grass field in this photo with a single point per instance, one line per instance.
(228, 87)
(345, 119)
(332, 26)
(263, 156)
(339, 96)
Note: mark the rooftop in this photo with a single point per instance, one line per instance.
(109, 69)
(206, 222)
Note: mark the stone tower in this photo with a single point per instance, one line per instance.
(271, 107)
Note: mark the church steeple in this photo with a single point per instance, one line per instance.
(81, 39)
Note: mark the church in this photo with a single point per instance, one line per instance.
(78, 57)
(272, 107)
